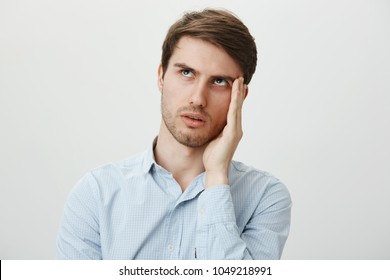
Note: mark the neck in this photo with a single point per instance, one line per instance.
(185, 163)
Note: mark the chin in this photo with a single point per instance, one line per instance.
(194, 141)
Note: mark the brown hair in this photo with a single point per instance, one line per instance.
(218, 27)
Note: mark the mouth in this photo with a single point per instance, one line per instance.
(196, 117)
(193, 120)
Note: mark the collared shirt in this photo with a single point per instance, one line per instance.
(135, 209)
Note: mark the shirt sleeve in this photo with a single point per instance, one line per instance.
(264, 235)
(78, 236)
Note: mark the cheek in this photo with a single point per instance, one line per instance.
(170, 100)
(220, 109)
(166, 101)
(173, 91)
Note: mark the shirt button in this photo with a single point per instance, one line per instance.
(171, 248)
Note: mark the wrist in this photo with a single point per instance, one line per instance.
(214, 179)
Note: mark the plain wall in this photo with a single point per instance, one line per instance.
(78, 89)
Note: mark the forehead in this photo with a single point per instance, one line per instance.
(204, 57)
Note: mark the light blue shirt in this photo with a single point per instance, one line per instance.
(136, 210)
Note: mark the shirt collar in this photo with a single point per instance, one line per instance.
(149, 160)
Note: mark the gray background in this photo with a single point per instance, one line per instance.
(78, 89)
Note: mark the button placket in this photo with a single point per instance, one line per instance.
(174, 233)
(171, 248)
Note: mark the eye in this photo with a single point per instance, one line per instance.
(221, 82)
(187, 73)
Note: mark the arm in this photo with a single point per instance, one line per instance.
(219, 152)
(261, 236)
(79, 236)
(218, 236)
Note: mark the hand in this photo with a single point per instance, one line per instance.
(219, 152)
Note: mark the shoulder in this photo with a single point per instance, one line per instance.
(125, 167)
(256, 183)
(110, 177)
(241, 171)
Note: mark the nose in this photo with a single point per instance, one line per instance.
(198, 95)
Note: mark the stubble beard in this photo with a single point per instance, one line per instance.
(194, 139)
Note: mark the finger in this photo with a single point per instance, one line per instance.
(236, 101)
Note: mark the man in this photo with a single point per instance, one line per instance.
(184, 198)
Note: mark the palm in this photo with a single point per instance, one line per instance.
(220, 151)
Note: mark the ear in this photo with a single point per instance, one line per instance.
(246, 91)
(160, 78)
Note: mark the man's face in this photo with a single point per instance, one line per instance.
(196, 90)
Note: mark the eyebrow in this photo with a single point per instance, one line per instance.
(185, 66)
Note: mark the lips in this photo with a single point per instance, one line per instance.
(193, 120)
(194, 116)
